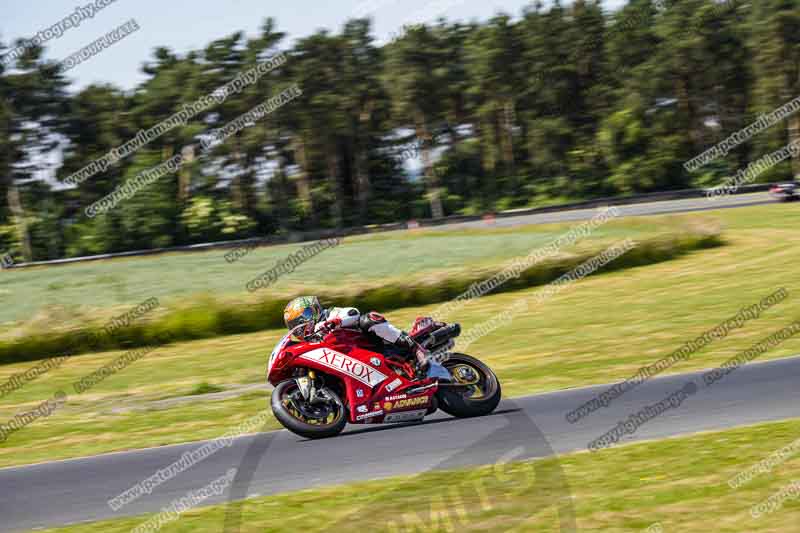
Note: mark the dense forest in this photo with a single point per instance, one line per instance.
(554, 103)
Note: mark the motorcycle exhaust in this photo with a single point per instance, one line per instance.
(443, 334)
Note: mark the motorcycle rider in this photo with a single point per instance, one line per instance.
(308, 311)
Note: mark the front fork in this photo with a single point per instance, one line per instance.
(311, 388)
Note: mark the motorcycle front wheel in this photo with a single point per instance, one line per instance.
(475, 390)
(310, 420)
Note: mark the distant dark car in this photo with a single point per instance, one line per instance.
(785, 192)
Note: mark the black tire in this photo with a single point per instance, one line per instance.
(300, 427)
(456, 401)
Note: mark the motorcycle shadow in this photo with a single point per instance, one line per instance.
(388, 427)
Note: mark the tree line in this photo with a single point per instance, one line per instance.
(556, 103)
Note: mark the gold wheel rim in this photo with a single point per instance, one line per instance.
(473, 385)
(287, 404)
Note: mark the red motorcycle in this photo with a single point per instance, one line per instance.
(325, 381)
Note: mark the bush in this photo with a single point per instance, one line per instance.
(205, 317)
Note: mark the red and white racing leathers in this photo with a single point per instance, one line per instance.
(374, 323)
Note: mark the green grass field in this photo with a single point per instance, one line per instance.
(69, 294)
(680, 484)
(599, 330)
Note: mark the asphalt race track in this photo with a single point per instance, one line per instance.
(73, 491)
(652, 208)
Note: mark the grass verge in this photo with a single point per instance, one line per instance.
(679, 483)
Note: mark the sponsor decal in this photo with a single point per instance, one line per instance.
(360, 393)
(374, 361)
(347, 365)
(405, 416)
(397, 397)
(369, 415)
(408, 402)
(393, 385)
(376, 406)
(361, 408)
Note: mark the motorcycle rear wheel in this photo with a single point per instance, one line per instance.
(477, 391)
(298, 416)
